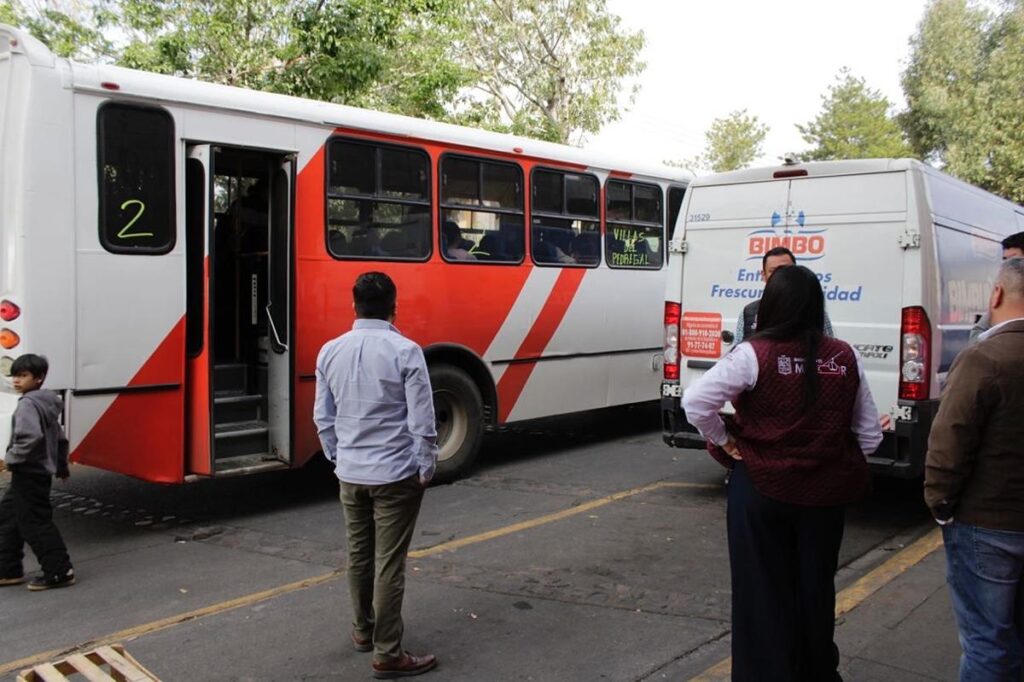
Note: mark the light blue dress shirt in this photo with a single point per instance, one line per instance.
(374, 408)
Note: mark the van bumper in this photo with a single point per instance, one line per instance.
(675, 430)
(902, 452)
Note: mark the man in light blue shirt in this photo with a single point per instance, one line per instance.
(374, 412)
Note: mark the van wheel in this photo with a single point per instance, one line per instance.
(459, 411)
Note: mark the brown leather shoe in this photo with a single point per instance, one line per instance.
(361, 644)
(406, 666)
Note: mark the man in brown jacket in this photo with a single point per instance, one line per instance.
(974, 485)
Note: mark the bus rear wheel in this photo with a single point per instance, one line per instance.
(459, 410)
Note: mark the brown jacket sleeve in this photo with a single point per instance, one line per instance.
(957, 431)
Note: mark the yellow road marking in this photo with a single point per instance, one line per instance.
(854, 595)
(170, 621)
(548, 518)
(256, 597)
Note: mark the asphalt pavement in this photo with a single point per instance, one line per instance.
(580, 549)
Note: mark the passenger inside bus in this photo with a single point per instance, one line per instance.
(453, 244)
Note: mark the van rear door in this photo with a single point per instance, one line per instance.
(845, 228)
(720, 273)
(856, 222)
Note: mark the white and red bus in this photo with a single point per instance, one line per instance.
(181, 250)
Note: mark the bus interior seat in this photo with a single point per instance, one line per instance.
(586, 247)
(337, 242)
(393, 243)
(491, 244)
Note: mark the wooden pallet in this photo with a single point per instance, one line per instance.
(105, 664)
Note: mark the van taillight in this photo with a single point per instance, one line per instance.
(915, 351)
(673, 311)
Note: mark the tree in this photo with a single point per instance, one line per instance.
(732, 142)
(550, 69)
(68, 28)
(963, 88)
(386, 54)
(854, 123)
(380, 53)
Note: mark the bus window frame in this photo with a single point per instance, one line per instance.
(377, 198)
(565, 215)
(442, 206)
(171, 199)
(669, 224)
(633, 222)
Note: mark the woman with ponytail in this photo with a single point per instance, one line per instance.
(797, 445)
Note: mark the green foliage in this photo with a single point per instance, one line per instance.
(544, 68)
(854, 123)
(550, 69)
(732, 142)
(386, 54)
(68, 29)
(963, 85)
(10, 13)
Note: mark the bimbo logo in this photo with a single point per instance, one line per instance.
(805, 244)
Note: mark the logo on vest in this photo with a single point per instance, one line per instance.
(831, 368)
(787, 366)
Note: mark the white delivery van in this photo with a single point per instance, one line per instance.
(906, 256)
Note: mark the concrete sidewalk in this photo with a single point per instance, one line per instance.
(905, 631)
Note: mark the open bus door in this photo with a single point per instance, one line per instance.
(239, 207)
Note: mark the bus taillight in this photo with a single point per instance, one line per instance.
(915, 348)
(673, 311)
(9, 311)
(9, 339)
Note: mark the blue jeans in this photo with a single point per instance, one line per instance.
(984, 569)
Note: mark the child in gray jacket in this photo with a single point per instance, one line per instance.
(38, 451)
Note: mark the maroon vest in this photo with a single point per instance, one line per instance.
(808, 457)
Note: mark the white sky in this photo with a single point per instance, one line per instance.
(707, 58)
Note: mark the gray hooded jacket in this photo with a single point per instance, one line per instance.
(38, 444)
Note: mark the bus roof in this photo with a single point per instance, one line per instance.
(172, 89)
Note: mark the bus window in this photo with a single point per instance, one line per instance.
(675, 204)
(481, 210)
(378, 201)
(565, 224)
(635, 227)
(135, 153)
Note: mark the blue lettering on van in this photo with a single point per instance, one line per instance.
(832, 292)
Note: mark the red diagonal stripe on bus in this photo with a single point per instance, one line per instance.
(143, 434)
(513, 381)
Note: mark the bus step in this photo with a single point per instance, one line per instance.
(248, 464)
(236, 439)
(231, 377)
(237, 408)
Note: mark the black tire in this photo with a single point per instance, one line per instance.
(459, 410)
